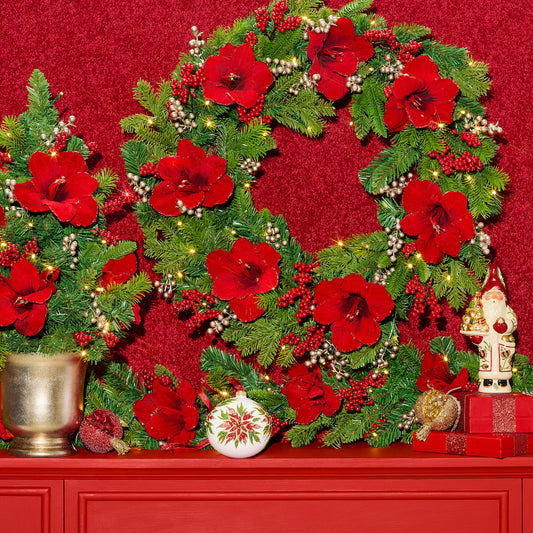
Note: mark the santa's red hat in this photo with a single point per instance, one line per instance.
(494, 280)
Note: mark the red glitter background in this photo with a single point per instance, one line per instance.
(96, 51)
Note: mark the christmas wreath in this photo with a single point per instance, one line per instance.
(314, 339)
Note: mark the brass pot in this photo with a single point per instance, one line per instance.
(42, 402)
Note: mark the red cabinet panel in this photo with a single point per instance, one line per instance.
(308, 490)
(298, 506)
(31, 506)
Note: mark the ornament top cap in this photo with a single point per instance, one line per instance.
(240, 394)
(494, 280)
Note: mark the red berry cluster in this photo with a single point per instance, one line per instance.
(407, 50)
(190, 80)
(197, 302)
(471, 139)
(471, 387)
(290, 23)
(423, 297)
(449, 162)
(167, 381)
(100, 420)
(379, 422)
(303, 278)
(277, 424)
(290, 339)
(149, 169)
(251, 38)
(123, 197)
(262, 16)
(83, 339)
(60, 141)
(313, 341)
(107, 236)
(387, 91)
(10, 255)
(147, 377)
(357, 394)
(5, 158)
(247, 115)
(278, 11)
(408, 249)
(92, 146)
(31, 247)
(111, 339)
(382, 35)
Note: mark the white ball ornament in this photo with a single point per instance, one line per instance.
(239, 427)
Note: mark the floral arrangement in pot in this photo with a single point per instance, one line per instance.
(68, 288)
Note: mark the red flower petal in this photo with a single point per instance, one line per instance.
(29, 197)
(86, 211)
(145, 408)
(119, 270)
(64, 211)
(247, 308)
(33, 322)
(219, 192)
(71, 163)
(7, 312)
(429, 250)
(419, 195)
(25, 277)
(190, 151)
(165, 200)
(395, 117)
(423, 68)
(379, 301)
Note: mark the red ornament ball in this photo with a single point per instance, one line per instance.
(101, 432)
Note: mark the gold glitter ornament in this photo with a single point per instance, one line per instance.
(436, 410)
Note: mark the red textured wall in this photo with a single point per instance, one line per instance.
(95, 51)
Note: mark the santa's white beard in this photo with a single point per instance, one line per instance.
(494, 309)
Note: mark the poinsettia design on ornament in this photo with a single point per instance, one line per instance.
(23, 298)
(241, 426)
(240, 275)
(235, 76)
(168, 415)
(441, 221)
(190, 179)
(335, 55)
(60, 184)
(308, 395)
(353, 307)
(420, 96)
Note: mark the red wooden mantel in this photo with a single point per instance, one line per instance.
(356, 488)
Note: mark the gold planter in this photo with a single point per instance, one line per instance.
(42, 402)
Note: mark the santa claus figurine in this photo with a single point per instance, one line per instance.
(489, 322)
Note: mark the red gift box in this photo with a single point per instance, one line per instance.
(496, 413)
(477, 444)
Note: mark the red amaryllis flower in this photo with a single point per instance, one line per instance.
(62, 185)
(234, 76)
(435, 374)
(168, 415)
(335, 56)
(441, 221)
(118, 270)
(309, 395)
(420, 96)
(353, 307)
(23, 297)
(191, 178)
(239, 275)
